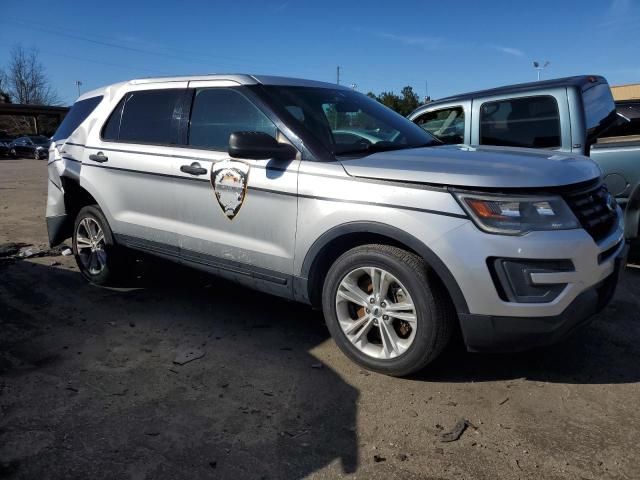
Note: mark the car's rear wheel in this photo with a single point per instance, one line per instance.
(98, 257)
(386, 309)
(36, 155)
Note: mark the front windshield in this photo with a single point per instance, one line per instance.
(39, 139)
(347, 122)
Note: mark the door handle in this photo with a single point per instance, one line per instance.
(98, 157)
(193, 169)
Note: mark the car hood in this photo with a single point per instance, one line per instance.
(475, 166)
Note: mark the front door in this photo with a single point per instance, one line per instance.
(129, 167)
(237, 216)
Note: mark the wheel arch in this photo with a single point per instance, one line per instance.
(75, 197)
(334, 242)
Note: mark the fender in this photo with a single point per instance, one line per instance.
(387, 231)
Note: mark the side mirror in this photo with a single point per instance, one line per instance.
(259, 146)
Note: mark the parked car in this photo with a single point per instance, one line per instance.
(575, 114)
(397, 241)
(4, 146)
(30, 146)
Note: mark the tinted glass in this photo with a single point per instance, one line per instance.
(147, 117)
(218, 112)
(78, 113)
(599, 108)
(39, 139)
(345, 121)
(521, 122)
(111, 129)
(447, 125)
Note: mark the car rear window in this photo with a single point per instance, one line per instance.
(532, 122)
(145, 117)
(78, 113)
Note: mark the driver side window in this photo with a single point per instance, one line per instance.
(447, 124)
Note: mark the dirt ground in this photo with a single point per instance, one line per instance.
(89, 388)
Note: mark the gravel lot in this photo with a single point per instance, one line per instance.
(89, 387)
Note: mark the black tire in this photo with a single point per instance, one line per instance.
(36, 155)
(434, 310)
(13, 153)
(115, 266)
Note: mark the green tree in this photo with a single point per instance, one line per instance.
(409, 102)
(404, 104)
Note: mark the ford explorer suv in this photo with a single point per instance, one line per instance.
(319, 194)
(574, 114)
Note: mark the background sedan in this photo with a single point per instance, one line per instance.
(31, 146)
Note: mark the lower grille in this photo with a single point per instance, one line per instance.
(595, 209)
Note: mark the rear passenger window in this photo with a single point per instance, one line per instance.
(447, 124)
(145, 117)
(521, 122)
(218, 112)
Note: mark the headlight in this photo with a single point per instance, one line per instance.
(516, 215)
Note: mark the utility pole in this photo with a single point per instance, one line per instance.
(78, 83)
(338, 74)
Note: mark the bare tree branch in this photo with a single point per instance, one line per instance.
(26, 79)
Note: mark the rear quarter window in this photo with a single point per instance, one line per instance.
(78, 114)
(532, 122)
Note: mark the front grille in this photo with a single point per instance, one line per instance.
(593, 209)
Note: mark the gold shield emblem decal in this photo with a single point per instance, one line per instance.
(229, 181)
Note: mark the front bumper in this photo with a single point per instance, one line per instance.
(512, 334)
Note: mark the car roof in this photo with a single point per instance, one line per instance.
(239, 78)
(576, 81)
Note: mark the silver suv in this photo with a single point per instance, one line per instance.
(318, 194)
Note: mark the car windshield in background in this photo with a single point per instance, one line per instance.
(38, 139)
(76, 116)
(347, 122)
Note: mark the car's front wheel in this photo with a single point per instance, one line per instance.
(98, 257)
(386, 309)
(13, 153)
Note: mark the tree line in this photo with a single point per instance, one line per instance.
(404, 104)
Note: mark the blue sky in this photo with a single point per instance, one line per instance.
(454, 45)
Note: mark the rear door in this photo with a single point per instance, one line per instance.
(129, 166)
(253, 242)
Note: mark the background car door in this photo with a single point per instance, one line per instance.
(129, 164)
(256, 246)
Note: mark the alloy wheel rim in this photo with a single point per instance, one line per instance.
(376, 313)
(91, 246)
